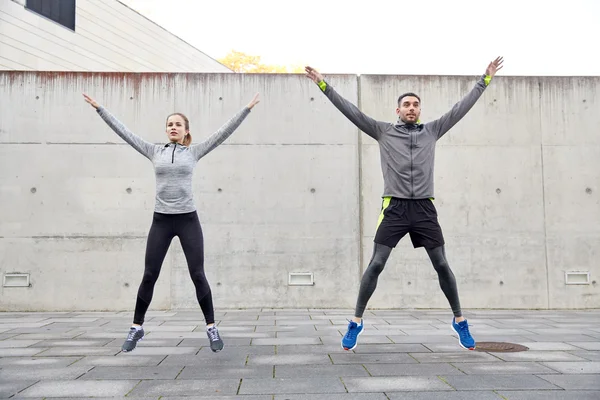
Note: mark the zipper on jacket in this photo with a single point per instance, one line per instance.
(412, 189)
(173, 154)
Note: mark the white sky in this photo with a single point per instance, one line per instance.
(448, 37)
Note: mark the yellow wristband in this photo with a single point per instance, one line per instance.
(487, 80)
(322, 85)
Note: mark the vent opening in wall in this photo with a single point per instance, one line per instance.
(16, 280)
(301, 279)
(577, 278)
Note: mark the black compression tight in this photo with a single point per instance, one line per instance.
(380, 256)
(164, 228)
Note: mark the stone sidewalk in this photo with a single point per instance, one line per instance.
(295, 354)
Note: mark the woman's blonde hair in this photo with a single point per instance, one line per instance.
(187, 140)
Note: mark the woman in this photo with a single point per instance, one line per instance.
(174, 213)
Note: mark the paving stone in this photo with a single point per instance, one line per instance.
(23, 373)
(587, 355)
(292, 386)
(4, 336)
(442, 347)
(317, 371)
(125, 360)
(301, 334)
(503, 368)
(171, 328)
(72, 398)
(37, 362)
(238, 322)
(587, 345)
(78, 351)
(153, 343)
(214, 387)
(228, 341)
(589, 367)
(561, 331)
(151, 351)
(549, 395)
(463, 356)
(331, 396)
(12, 344)
(237, 350)
(21, 327)
(172, 335)
(79, 389)
(10, 388)
(289, 359)
(234, 360)
(285, 341)
(393, 358)
(392, 348)
(117, 373)
(238, 397)
(73, 343)
(210, 371)
(308, 349)
(299, 317)
(559, 338)
(362, 340)
(420, 339)
(497, 382)
(48, 335)
(457, 395)
(21, 352)
(574, 382)
(287, 328)
(548, 346)
(537, 356)
(394, 384)
(412, 369)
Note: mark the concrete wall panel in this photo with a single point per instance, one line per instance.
(296, 188)
(77, 273)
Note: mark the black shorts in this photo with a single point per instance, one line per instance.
(418, 218)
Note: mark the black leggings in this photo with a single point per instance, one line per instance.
(164, 228)
(380, 256)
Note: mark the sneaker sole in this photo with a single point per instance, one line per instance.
(129, 351)
(459, 343)
(357, 336)
(218, 350)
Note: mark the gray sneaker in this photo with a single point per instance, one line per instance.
(133, 337)
(216, 343)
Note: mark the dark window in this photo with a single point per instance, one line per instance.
(61, 11)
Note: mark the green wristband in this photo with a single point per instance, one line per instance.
(322, 85)
(487, 80)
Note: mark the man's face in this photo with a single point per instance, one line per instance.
(409, 109)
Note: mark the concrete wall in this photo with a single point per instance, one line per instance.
(296, 189)
(108, 36)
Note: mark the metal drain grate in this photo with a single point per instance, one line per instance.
(500, 347)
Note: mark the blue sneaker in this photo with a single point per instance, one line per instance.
(350, 338)
(464, 336)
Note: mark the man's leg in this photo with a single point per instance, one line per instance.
(391, 227)
(437, 255)
(368, 283)
(427, 232)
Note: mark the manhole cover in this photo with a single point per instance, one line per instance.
(500, 347)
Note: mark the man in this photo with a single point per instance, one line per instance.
(407, 150)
